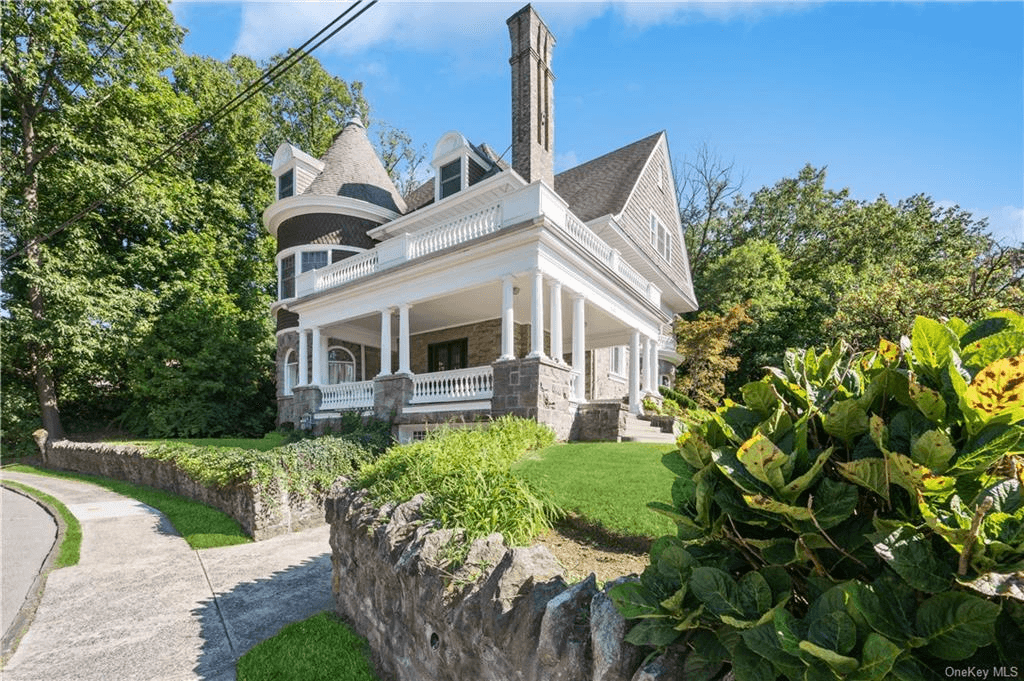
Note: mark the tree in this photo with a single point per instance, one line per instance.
(705, 189)
(400, 157)
(704, 344)
(82, 103)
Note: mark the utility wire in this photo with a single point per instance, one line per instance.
(265, 79)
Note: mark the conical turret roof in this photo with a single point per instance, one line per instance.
(353, 169)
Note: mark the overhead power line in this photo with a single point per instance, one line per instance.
(268, 76)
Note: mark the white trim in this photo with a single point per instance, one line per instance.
(303, 204)
(352, 358)
(289, 388)
(446, 406)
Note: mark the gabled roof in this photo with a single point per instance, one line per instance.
(602, 186)
(353, 169)
(423, 195)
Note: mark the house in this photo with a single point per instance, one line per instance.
(492, 288)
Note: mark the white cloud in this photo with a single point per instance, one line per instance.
(1006, 224)
(457, 27)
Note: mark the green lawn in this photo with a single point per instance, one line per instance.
(320, 648)
(608, 483)
(201, 526)
(70, 548)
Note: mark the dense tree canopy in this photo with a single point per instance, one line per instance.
(812, 265)
(150, 311)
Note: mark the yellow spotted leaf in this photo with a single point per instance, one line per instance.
(998, 389)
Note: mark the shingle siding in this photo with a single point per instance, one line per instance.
(324, 228)
(636, 215)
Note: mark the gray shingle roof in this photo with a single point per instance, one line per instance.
(602, 186)
(353, 169)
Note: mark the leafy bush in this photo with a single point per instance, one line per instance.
(303, 467)
(679, 398)
(858, 516)
(466, 473)
(371, 432)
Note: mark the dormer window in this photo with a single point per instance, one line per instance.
(286, 184)
(451, 178)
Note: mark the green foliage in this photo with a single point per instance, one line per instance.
(857, 515)
(301, 468)
(705, 344)
(679, 398)
(467, 475)
(321, 648)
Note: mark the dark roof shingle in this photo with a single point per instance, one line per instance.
(602, 186)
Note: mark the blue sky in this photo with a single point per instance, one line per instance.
(894, 98)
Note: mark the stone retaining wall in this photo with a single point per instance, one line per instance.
(506, 614)
(261, 516)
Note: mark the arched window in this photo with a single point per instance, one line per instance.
(341, 366)
(291, 371)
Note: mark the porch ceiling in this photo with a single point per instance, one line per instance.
(481, 303)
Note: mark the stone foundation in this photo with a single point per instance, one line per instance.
(260, 516)
(506, 614)
(601, 421)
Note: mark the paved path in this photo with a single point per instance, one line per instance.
(143, 605)
(27, 533)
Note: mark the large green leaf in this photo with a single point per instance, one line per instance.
(718, 591)
(838, 663)
(956, 624)
(761, 397)
(764, 460)
(846, 420)
(979, 354)
(835, 631)
(871, 603)
(633, 600)
(653, 632)
(929, 402)
(764, 503)
(795, 487)
(868, 473)
(833, 502)
(706, 657)
(916, 478)
(765, 640)
(997, 391)
(932, 345)
(877, 658)
(933, 450)
(909, 552)
(746, 664)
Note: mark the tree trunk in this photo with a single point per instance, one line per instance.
(46, 387)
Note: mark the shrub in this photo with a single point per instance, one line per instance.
(856, 516)
(679, 398)
(303, 467)
(466, 473)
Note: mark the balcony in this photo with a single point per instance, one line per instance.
(528, 203)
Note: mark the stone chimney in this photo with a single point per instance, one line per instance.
(533, 97)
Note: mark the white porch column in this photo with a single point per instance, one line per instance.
(652, 365)
(403, 339)
(634, 372)
(507, 319)
(385, 342)
(578, 345)
(303, 358)
(556, 322)
(645, 370)
(537, 316)
(318, 356)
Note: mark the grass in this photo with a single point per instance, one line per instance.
(267, 442)
(319, 648)
(71, 546)
(607, 483)
(201, 526)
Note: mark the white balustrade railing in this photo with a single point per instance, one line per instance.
(632, 277)
(347, 395)
(586, 237)
(457, 231)
(475, 383)
(574, 385)
(667, 342)
(346, 270)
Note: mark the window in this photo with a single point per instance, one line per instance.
(451, 178)
(291, 372)
(618, 361)
(449, 355)
(286, 184)
(314, 260)
(287, 277)
(660, 238)
(341, 366)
